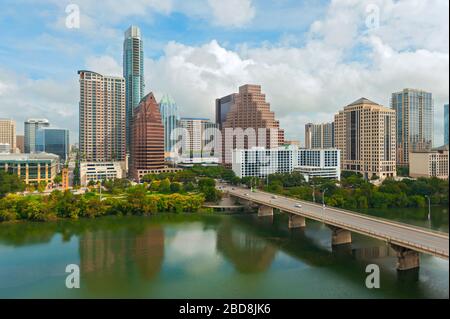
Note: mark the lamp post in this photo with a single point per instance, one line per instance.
(429, 207)
(323, 197)
(314, 193)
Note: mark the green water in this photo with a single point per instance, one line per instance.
(208, 256)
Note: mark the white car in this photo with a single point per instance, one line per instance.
(247, 194)
(298, 205)
(274, 197)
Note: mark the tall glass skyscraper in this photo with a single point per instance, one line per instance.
(414, 119)
(446, 124)
(30, 128)
(53, 140)
(170, 117)
(133, 72)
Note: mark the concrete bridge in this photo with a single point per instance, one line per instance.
(408, 241)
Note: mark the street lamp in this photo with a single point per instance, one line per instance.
(323, 197)
(429, 207)
(314, 193)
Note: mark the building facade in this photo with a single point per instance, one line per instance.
(31, 168)
(446, 128)
(8, 133)
(261, 162)
(30, 128)
(170, 117)
(432, 163)
(102, 117)
(20, 143)
(100, 171)
(200, 133)
(133, 72)
(147, 147)
(414, 122)
(223, 106)
(365, 135)
(249, 111)
(54, 141)
(5, 148)
(319, 135)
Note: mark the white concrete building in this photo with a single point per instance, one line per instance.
(99, 171)
(429, 163)
(259, 161)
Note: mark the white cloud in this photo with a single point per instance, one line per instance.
(234, 13)
(104, 65)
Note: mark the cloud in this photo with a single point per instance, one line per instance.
(105, 65)
(233, 13)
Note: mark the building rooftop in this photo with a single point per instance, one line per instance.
(363, 100)
(27, 157)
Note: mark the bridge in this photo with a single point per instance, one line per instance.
(407, 240)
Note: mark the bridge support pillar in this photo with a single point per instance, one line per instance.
(340, 236)
(296, 221)
(406, 258)
(265, 211)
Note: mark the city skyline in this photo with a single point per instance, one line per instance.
(307, 71)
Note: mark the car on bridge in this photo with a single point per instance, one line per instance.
(298, 205)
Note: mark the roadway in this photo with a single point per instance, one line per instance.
(404, 235)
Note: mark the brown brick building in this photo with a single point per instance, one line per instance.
(147, 139)
(250, 111)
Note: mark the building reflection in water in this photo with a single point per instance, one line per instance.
(248, 253)
(120, 261)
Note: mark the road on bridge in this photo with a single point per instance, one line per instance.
(404, 235)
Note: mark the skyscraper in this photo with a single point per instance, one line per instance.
(250, 110)
(414, 117)
(54, 141)
(133, 72)
(8, 133)
(223, 106)
(102, 117)
(365, 134)
(194, 145)
(147, 141)
(319, 135)
(30, 128)
(446, 124)
(170, 117)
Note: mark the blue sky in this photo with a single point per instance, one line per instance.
(311, 57)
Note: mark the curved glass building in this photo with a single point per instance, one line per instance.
(170, 117)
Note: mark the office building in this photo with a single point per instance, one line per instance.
(133, 72)
(102, 117)
(365, 135)
(432, 163)
(8, 133)
(170, 117)
(200, 132)
(261, 162)
(250, 111)
(446, 128)
(414, 122)
(223, 106)
(147, 147)
(100, 171)
(319, 135)
(20, 143)
(54, 141)
(5, 148)
(30, 128)
(31, 168)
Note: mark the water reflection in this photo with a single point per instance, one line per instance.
(247, 252)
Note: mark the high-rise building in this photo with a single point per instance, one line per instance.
(147, 141)
(250, 111)
(223, 106)
(102, 117)
(53, 141)
(30, 128)
(133, 72)
(365, 135)
(446, 124)
(414, 117)
(8, 133)
(170, 117)
(196, 141)
(319, 135)
(20, 143)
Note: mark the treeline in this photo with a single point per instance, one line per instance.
(136, 201)
(354, 192)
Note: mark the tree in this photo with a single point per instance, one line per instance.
(164, 186)
(10, 183)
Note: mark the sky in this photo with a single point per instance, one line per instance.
(311, 57)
